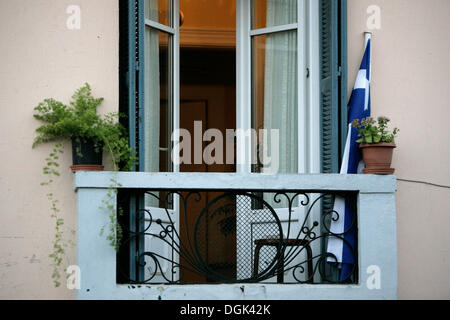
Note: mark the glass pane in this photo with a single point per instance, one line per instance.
(271, 13)
(275, 104)
(208, 14)
(159, 11)
(158, 102)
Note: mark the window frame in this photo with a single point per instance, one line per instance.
(308, 71)
(318, 85)
(307, 31)
(332, 82)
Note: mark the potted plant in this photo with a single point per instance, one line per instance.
(377, 144)
(90, 135)
(89, 132)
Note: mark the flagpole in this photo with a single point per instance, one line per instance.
(368, 36)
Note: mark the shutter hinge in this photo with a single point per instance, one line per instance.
(339, 73)
(138, 65)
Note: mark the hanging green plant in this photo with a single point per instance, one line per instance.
(91, 134)
(80, 122)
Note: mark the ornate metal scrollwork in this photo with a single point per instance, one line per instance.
(236, 237)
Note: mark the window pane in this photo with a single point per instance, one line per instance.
(275, 104)
(158, 103)
(271, 13)
(159, 11)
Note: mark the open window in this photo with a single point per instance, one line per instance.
(270, 71)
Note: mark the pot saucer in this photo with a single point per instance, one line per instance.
(379, 171)
(86, 167)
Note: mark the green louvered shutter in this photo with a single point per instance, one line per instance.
(333, 55)
(333, 101)
(131, 58)
(131, 98)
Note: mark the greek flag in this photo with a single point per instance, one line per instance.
(343, 244)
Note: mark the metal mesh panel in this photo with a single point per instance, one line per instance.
(254, 225)
(219, 243)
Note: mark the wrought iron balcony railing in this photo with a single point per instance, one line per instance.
(241, 236)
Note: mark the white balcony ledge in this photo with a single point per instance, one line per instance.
(377, 243)
(233, 181)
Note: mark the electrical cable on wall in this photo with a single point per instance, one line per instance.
(425, 182)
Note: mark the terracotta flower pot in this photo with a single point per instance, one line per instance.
(378, 157)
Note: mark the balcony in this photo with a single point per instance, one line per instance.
(232, 236)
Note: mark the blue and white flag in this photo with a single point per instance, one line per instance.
(359, 108)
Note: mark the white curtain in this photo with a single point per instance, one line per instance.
(152, 96)
(280, 86)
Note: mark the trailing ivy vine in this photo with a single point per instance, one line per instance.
(60, 243)
(115, 231)
(79, 120)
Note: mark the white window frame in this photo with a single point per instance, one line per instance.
(173, 31)
(309, 160)
(308, 72)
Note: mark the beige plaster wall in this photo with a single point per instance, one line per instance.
(411, 85)
(41, 58)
